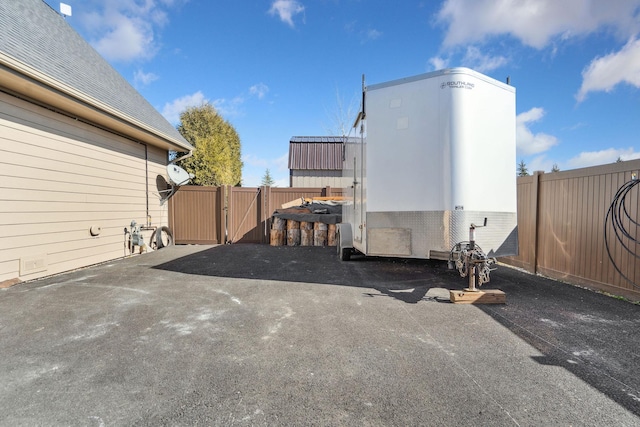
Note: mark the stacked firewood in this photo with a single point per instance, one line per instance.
(289, 232)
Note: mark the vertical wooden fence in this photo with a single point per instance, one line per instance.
(561, 227)
(214, 215)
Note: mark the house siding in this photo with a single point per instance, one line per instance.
(60, 176)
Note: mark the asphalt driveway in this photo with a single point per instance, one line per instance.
(261, 335)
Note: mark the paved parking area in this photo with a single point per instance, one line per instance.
(261, 335)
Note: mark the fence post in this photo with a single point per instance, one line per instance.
(263, 199)
(535, 194)
(221, 220)
(230, 214)
(171, 216)
(270, 209)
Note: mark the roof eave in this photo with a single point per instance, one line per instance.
(22, 80)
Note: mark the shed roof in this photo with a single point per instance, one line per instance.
(61, 69)
(317, 152)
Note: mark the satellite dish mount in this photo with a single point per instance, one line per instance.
(177, 177)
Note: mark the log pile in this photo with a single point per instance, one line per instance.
(289, 232)
(308, 224)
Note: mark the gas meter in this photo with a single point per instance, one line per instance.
(136, 236)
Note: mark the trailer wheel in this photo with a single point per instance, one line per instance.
(343, 253)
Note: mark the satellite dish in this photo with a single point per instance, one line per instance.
(177, 177)
(162, 184)
(65, 9)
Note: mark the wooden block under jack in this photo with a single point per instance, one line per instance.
(488, 296)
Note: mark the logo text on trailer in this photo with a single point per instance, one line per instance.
(457, 84)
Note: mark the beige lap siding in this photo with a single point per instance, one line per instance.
(58, 178)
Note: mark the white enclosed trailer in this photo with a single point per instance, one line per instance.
(437, 154)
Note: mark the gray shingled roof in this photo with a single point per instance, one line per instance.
(317, 152)
(36, 35)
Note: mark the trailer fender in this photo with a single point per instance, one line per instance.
(344, 241)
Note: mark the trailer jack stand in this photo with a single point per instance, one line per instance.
(473, 275)
(472, 262)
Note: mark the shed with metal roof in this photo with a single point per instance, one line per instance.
(316, 161)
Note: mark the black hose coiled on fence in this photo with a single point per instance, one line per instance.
(616, 214)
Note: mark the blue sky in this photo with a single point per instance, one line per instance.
(281, 68)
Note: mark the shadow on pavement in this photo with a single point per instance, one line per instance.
(591, 335)
(407, 280)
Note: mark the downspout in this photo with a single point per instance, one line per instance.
(146, 177)
(186, 156)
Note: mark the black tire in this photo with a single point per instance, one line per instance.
(166, 238)
(343, 253)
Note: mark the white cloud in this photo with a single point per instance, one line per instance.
(606, 72)
(142, 78)
(438, 63)
(225, 107)
(228, 107)
(372, 34)
(282, 162)
(593, 158)
(286, 10)
(535, 22)
(125, 30)
(539, 163)
(472, 58)
(259, 90)
(527, 142)
(252, 160)
(126, 39)
(172, 110)
(481, 62)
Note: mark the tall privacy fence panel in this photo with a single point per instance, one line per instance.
(562, 224)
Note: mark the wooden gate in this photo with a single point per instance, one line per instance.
(196, 215)
(247, 214)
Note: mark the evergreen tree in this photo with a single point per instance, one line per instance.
(267, 180)
(555, 168)
(522, 169)
(216, 155)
